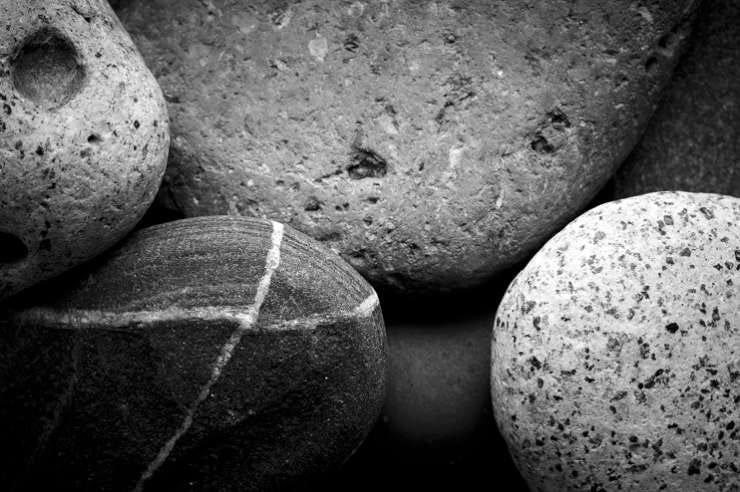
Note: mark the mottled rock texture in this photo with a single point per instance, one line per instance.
(209, 354)
(616, 351)
(83, 136)
(693, 141)
(432, 144)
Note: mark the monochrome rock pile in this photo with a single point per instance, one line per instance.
(278, 161)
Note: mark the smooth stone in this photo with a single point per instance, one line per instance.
(692, 143)
(431, 144)
(209, 354)
(83, 137)
(616, 351)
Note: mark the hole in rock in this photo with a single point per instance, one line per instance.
(12, 248)
(651, 65)
(366, 164)
(541, 145)
(47, 71)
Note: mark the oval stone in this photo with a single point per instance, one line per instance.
(83, 137)
(209, 354)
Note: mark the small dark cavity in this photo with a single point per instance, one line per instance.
(366, 164)
(558, 119)
(94, 138)
(312, 204)
(351, 43)
(651, 64)
(541, 145)
(47, 69)
(671, 327)
(12, 249)
(449, 37)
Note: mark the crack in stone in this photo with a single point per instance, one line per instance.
(79, 319)
(247, 320)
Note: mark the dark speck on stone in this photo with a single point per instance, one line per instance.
(672, 327)
(694, 467)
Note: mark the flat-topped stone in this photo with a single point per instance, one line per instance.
(432, 144)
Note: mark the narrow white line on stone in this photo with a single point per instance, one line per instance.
(367, 306)
(247, 320)
(80, 319)
(313, 321)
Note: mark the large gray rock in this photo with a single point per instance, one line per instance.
(83, 137)
(616, 351)
(432, 144)
(693, 141)
(209, 354)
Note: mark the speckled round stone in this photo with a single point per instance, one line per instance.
(432, 144)
(692, 143)
(616, 351)
(208, 354)
(83, 136)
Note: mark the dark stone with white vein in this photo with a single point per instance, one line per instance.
(211, 354)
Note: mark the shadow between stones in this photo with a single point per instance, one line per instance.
(12, 249)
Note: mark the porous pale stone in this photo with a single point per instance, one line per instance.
(692, 143)
(209, 354)
(83, 136)
(616, 351)
(432, 144)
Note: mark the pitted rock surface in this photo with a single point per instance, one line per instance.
(616, 351)
(432, 144)
(692, 143)
(83, 136)
(208, 354)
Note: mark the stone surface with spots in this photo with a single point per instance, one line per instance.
(693, 141)
(83, 137)
(616, 351)
(208, 354)
(432, 144)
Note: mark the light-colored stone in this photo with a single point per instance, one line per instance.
(616, 351)
(83, 136)
(432, 144)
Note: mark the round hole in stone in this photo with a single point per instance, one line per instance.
(12, 249)
(46, 70)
